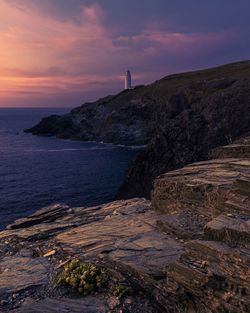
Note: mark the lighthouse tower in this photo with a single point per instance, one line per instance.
(128, 80)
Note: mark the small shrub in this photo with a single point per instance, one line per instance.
(86, 278)
(121, 290)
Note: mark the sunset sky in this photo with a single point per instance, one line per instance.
(62, 53)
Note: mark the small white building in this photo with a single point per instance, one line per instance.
(128, 80)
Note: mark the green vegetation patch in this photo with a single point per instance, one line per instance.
(86, 278)
(121, 290)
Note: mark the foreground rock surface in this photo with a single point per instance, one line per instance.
(187, 251)
(21, 273)
(213, 274)
(87, 305)
(121, 236)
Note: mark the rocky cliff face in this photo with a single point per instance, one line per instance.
(206, 110)
(180, 117)
(120, 119)
(187, 251)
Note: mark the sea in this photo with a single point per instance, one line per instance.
(39, 171)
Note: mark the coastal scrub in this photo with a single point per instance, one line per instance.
(86, 278)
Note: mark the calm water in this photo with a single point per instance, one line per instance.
(39, 171)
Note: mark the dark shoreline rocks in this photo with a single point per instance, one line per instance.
(103, 121)
(186, 251)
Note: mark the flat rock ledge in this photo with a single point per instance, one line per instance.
(121, 236)
(186, 251)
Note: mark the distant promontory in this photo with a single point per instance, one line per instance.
(180, 118)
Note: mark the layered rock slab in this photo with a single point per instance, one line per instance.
(215, 275)
(191, 197)
(18, 274)
(128, 236)
(126, 231)
(64, 305)
(229, 229)
(48, 221)
(121, 236)
(204, 184)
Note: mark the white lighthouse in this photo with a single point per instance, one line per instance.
(128, 80)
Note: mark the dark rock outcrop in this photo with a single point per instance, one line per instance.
(121, 119)
(204, 111)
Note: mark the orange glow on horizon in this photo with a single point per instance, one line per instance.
(42, 56)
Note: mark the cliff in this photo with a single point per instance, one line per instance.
(180, 118)
(120, 119)
(186, 251)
